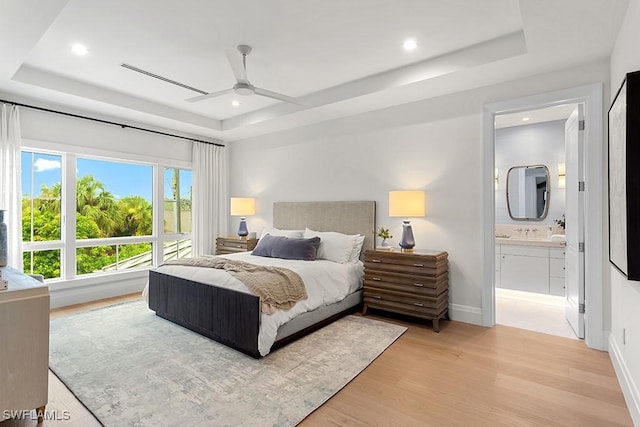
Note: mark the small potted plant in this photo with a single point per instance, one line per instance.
(384, 234)
(560, 222)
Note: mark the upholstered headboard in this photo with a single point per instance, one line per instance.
(345, 217)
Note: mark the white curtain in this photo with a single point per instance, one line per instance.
(10, 182)
(210, 197)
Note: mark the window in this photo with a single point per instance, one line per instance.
(41, 212)
(112, 203)
(177, 213)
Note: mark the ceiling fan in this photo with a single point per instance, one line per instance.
(243, 86)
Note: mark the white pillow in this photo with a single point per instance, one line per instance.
(334, 246)
(295, 234)
(357, 248)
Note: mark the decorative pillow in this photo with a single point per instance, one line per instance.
(357, 248)
(286, 233)
(334, 246)
(287, 248)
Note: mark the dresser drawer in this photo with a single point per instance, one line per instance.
(404, 278)
(431, 266)
(412, 283)
(416, 308)
(230, 245)
(407, 289)
(417, 269)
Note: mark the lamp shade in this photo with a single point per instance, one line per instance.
(407, 204)
(243, 206)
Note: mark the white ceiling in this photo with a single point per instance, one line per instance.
(338, 57)
(529, 117)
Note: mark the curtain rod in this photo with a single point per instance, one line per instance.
(122, 125)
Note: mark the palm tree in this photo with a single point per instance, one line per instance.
(137, 216)
(93, 201)
(49, 198)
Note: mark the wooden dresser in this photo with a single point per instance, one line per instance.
(233, 244)
(24, 344)
(412, 283)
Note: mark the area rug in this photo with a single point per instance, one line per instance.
(130, 367)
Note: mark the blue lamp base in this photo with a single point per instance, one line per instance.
(408, 242)
(242, 230)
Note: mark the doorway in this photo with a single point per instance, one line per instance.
(591, 97)
(530, 208)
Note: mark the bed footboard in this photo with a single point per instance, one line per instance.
(224, 315)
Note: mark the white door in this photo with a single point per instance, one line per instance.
(574, 212)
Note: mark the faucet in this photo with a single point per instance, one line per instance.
(526, 233)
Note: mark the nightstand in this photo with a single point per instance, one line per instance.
(233, 244)
(412, 283)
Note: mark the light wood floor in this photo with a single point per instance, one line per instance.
(464, 376)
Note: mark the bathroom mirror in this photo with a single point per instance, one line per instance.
(528, 192)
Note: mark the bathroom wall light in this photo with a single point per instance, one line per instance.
(562, 175)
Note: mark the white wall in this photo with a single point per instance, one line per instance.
(534, 144)
(89, 136)
(625, 294)
(435, 145)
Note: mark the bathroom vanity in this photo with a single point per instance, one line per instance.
(530, 265)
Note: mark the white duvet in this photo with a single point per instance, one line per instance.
(326, 282)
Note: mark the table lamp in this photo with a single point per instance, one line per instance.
(407, 204)
(243, 206)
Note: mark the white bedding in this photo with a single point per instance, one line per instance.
(326, 282)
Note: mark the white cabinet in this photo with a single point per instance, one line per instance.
(24, 343)
(525, 268)
(530, 268)
(556, 271)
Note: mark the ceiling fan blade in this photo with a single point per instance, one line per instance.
(276, 95)
(210, 95)
(236, 60)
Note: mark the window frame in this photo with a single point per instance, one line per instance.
(68, 244)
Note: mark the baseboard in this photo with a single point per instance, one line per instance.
(466, 314)
(63, 297)
(629, 388)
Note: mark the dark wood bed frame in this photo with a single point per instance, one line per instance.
(231, 317)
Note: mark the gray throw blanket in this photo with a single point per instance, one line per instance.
(278, 288)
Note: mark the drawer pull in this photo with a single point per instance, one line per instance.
(419, 304)
(420, 285)
(418, 265)
(375, 260)
(377, 279)
(377, 297)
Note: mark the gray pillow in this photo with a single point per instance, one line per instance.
(287, 247)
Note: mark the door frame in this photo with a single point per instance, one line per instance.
(595, 202)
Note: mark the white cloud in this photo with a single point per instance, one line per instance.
(42, 165)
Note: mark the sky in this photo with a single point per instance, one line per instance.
(121, 179)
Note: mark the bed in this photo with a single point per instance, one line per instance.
(232, 316)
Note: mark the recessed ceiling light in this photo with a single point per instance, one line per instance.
(79, 49)
(409, 44)
(235, 103)
(525, 119)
